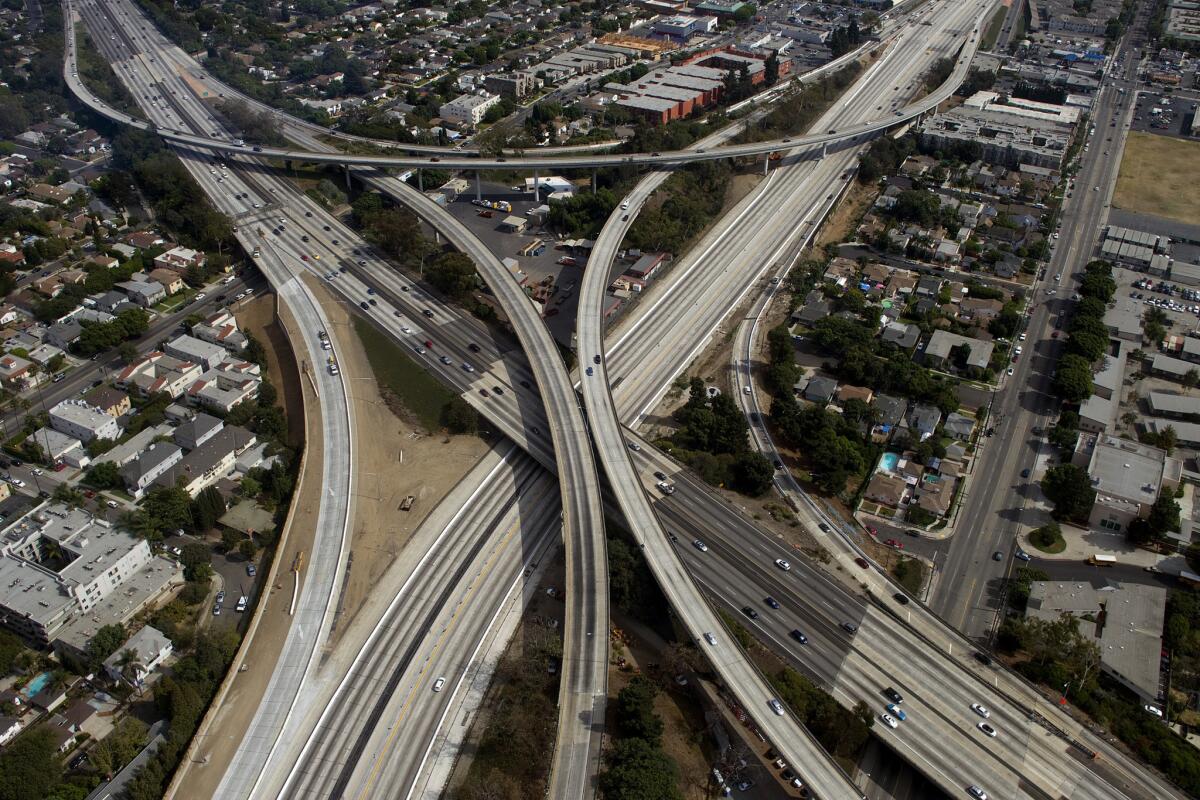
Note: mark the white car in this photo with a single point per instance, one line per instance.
(889, 720)
(980, 710)
(16, 482)
(708, 637)
(783, 564)
(776, 706)
(976, 792)
(438, 684)
(700, 545)
(36, 471)
(1153, 710)
(110, 503)
(624, 205)
(405, 329)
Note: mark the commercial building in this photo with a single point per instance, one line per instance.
(1127, 477)
(82, 421)
(1125, 620)
(682, 27)
(189, 348)
(1005, 134)
(467, 110)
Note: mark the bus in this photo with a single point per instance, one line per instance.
(1101, 560)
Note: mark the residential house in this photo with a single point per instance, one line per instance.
(847, 392)
(209, 462)
(923, 420)
(225, 387)
(149, 648)
(82, 421)
(64, 334)
(168, 279)
(943, 345)
(180, 259)
(958, 426)
(820, 389)
(61, 447)
(9, 728)
(188, 348)
(17, 373)
(143, 293)
(148, 467)
(935, 496)
(901, 334)
(886, 489)
(157, 372)
(221, 329)
(197, 430)
(111, 401)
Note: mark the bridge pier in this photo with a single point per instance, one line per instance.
(536, 193)
(593, 180)
(766, 162)
(347, 171)
(420, 180)
(478, 190)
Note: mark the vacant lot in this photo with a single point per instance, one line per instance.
(1160, 175)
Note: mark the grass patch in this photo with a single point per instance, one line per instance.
(1160, 175)
(993, 29)
(403, 383)
(1048, 539)
(910, 573)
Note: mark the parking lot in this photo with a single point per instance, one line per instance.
(1174, 113)
(1181, 304)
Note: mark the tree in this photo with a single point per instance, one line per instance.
(30, 766)
(197, 562)
(635, 711)
(207, 508)
(105, 643)
(637, 770)
(459, 417)
(1073, 378)
(247, 549)
(752, 473)
(1163, 517)
(105, 475)
(1068, 487)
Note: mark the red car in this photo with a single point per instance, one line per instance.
(862, 562)
(896, 543)
(303, 257)
(428, 343)
(872, 531)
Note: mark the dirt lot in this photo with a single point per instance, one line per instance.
(393, 462)
(1160, 175)
(258, 317)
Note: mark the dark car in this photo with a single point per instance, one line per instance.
(364, 305)
(772, 602)
(850, 628)
(662, 476)
(901, 598)
(474, 348)
(893, 695)
(984, 658)
(862, 562)
(596, 359)
(799, 636)
(997, 556)
(750, 612)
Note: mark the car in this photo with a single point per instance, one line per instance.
(772, 602)
(1009, 372)
(444, 359)
(889, 720)
(862, 562)
(365, 306)
(976, 792)
(776, 706)
(750, 612)
(484, 393)
(497, 390)
(896, 543)
(624, 204)
(427, 313)
(438, 684)
(635, 447)
(901, 598)
(799, 636)
(893, 695)
(984, 658)
(110, 503)
(662, 476)
(1022, 555)
(998, 556)
(216, 609)
(36, 471)
(987, 730)
(1153, 710)
(251, 570)
(1025, 473)
(199, 296)
(708, 637)
(783, 564)
(596, 359)
(473, 347)
(981, 710)
(590, 371)
(700, 545)
(897, 712)
(850, 628)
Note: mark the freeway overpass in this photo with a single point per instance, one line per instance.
(711, 535)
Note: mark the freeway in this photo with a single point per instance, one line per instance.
(584, 680)
(711, 503)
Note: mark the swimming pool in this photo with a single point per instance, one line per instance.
(37, 684)
(888, 461)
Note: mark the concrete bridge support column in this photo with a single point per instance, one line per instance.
(347, 178)
(593, 180)
(420, 181)
(478, 189)
(766, 162)
(536, 190)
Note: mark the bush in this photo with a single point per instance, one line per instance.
(1048, 538)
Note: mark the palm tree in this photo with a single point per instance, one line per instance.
(131, 667)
